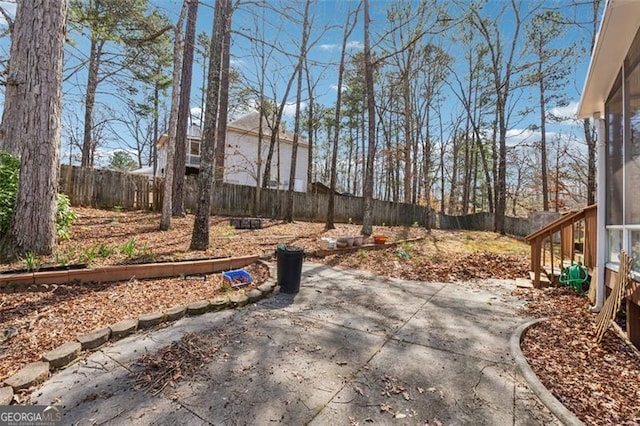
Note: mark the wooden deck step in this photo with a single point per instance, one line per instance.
(524, 283)
(553, 274)
(544, 280)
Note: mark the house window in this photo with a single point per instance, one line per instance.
(622, 112)
(193, 153)
(194, 147)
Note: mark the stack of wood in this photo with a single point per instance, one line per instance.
(613, 302)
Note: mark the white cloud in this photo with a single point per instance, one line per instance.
(328, 47)
(519, 137)
(522, 136)
(334, 87)
(351, 45)
(566, 114)
(290, 109)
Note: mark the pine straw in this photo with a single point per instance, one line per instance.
(46, 320)
(179, 361)
(599, 383)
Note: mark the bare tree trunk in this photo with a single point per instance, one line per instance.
(32, 123)
(95, 55)
(336, 135)
(224, 99)
(288, 215)
(543, 142)
(200, 235)
(165, 219)
(256, 202)
(367, 221)
(154, 148)
(184, 111)
(261, 117)
(275, 128)
(406, 96)
(453, 191)
(310, 126)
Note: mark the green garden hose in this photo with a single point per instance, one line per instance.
(575, 276)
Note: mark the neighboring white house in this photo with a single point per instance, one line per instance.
(241, 154)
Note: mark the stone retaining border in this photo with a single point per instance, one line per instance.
(68, 353)
(551, 402)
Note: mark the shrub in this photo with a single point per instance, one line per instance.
(65, 216)
(9, 174)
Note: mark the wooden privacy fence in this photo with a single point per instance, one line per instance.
(240, 200)
(484, 222)
(103, 188)
(108, 189)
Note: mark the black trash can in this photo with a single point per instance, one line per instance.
(289, 268)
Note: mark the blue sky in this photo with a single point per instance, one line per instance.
(329, 16)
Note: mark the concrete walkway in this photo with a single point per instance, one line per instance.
(350, 348)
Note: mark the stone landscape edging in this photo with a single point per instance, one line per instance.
(551, 402)
(127, 272)
(69, 353)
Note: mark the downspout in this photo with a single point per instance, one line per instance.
(601, 233)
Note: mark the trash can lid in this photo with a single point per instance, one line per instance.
(285, 248)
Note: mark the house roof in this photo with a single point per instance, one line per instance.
(620, 22)
(251, 123)
(247, 124)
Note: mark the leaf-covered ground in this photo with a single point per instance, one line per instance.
(600, 384)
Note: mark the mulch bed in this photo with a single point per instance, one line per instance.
(33, 323)
(600, 383)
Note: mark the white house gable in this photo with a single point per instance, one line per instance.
(241, 154)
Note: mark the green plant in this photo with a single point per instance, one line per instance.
(228, 230)
(402, 254)
(118, 210)
(145, 252)
(408, 247)
(63, 259)
(9, 173)
(129, 248)
(90, 253)
(104, 251)
(65, 216)
(32, 262)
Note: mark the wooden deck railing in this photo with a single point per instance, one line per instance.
(561, 234)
